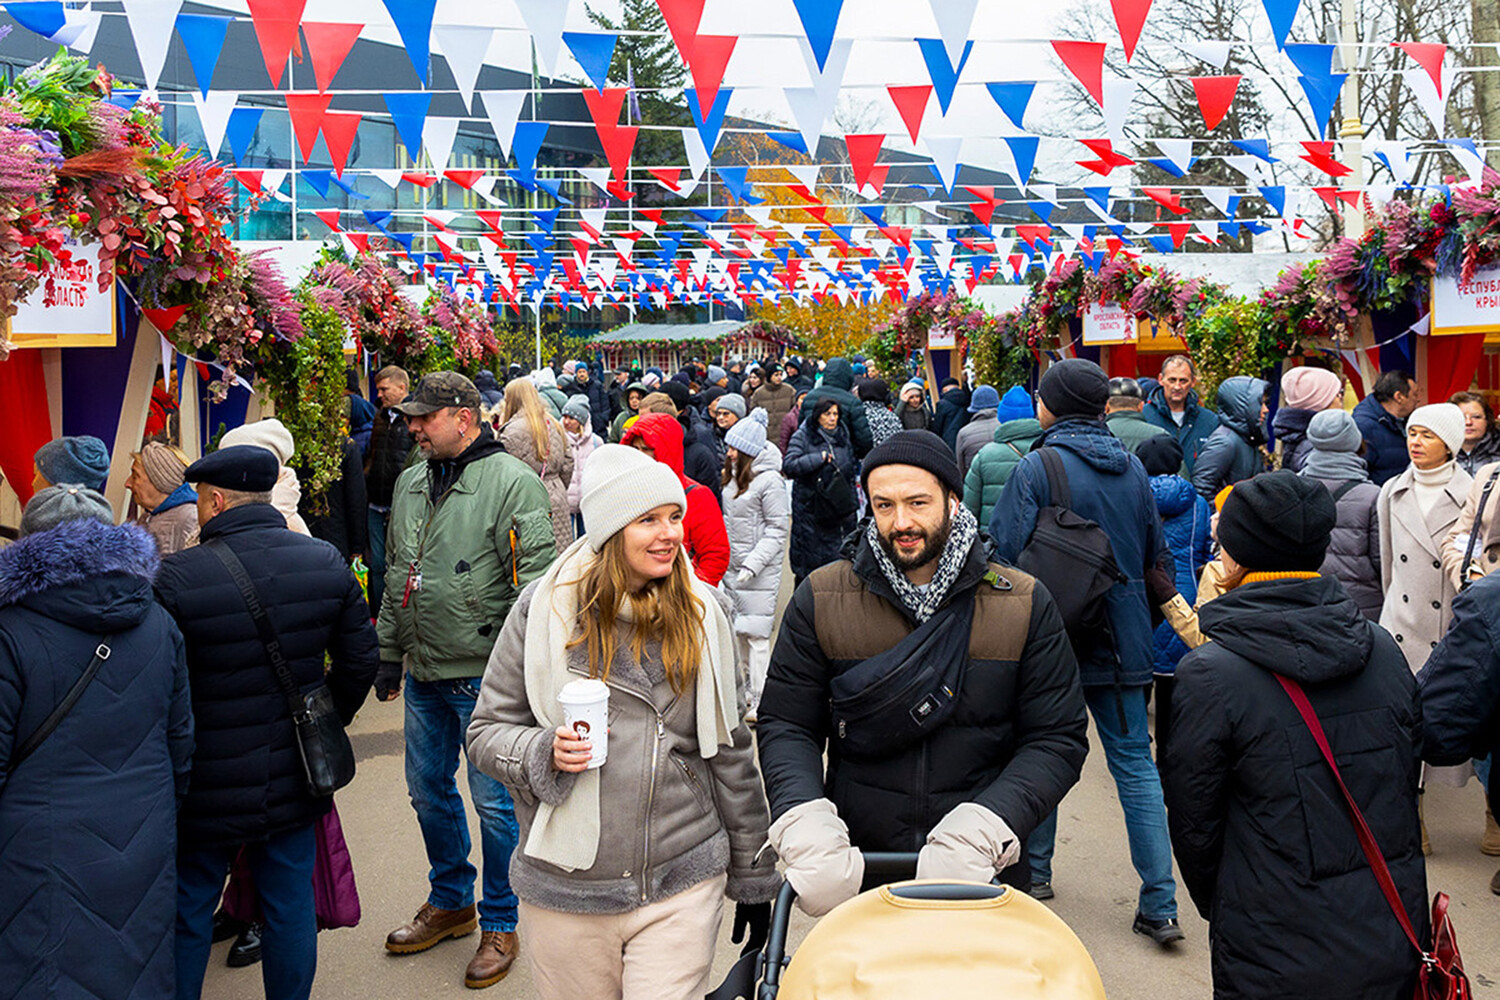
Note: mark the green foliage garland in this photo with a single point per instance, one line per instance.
(305, 381)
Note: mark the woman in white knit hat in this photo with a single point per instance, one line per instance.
(757, 514)
(623, 866)
(272, 435)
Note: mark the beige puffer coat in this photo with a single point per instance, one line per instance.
(556, 470)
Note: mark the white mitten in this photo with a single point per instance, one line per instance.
(820, 863)
(970, 844)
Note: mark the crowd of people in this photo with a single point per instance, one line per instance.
(1010, 564)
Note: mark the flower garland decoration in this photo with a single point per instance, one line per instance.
(304, 379)
(462, 328)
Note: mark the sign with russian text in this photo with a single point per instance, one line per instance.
(1471, 306)
(940, 338)
(1107, 323)
(67, 309)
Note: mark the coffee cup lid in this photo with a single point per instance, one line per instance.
(583, 690)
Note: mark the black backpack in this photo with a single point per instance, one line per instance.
(1072, 557)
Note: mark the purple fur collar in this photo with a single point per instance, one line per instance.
(71, 552)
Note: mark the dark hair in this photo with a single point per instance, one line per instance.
(1391, 382)
(737, 469)
(823, 405)
(874, 390)
(1484, 406)
(1180, 359)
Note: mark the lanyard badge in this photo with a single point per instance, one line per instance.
(413, 583)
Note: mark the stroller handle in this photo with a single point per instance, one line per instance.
(891, 865)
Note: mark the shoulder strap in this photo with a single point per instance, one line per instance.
(1484, 499)
(1361, 828)
(39, 735)
(1344, 488)
(1012, 446)
(268, 637)
(1057, 478)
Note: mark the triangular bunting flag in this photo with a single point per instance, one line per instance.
(594, 51)
(544, 20)
(306, 112)
(954, 19)
(151, 23)
(943, 72)
(1282, 13)
(409, 115)
(438, 137)
(328, 45)
(339, 128)
(276, 29)
(241, 129)
(1085, 60)
(503, 107)
(1013, 97)
(1130, 18)
(214, 111)
(709, 127)
(820, 19)
(863, 151)
(1215, 95)
(911, 104)
(413, 19)
(1428, 55)
(710, 58)
(203, 37)
(464, 47)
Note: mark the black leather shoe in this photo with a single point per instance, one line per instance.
(246, 948)
(1163, 931)
(226, 927)
(1042, 890)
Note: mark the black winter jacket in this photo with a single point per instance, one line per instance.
(1014, 744)
(815, 542)
(951, 415)
(700, 457)
(390, 443)
(1264, 841)
(838, 385)
(342, 519)
(248, 783)
(1461, 682)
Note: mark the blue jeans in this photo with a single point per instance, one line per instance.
(377, 525)
(437, 716)
(283, 870)
(1129, 757)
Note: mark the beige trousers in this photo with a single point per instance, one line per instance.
(662, 951)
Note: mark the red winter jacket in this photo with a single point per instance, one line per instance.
(704, 537)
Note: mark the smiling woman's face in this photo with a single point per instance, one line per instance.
(652, 542)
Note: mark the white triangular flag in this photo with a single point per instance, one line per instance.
(954, 19)
(1117, 97)
(151, 24)
(503, 107)
(438, 136)
(1216, 54)
(1218, 197)
(80, 28)
(944, 152)
(213, 116)
(545, 20)
(808, 112)
(697, 156)
(1179, 151)
(1427, 96)
(1046, 192)
(464, 46)
(390, 178)
(597, 176)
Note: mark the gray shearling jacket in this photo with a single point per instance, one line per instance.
(671, 819)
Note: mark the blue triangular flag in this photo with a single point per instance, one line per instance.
(819, 20)
(1171, 167)
(782, 254)
(45, 17)
(203, 37)
(875, 213)
(1230, 229)
(1310, 58)
(318, 180)
(413, 20)
(709, 128)
(1023, 150)
(736, 181)
(553, 186)
(1099, 196)
(1043, 209)
(543, 263)
(1260, 148)
(845, 233)
(594, 50)
(526, 143)
(546, 219)
(791, 140)
(943, 73)
(1256, 227)
(241, 129)
(1275, 197)
(402, 238)
(1013, 97)
(376, 217)
(1163, 244)
(1282, 13)
(349, 190)
(709, 215)
(123, 98)
(1322, 92)
(409, 115)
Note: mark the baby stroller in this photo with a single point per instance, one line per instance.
(920, 938)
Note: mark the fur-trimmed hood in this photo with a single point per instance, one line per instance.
(93, 575)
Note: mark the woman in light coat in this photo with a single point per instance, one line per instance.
(1417, 510)
(582, 440)
(757, 513)
(1354, 549)
(530, 433)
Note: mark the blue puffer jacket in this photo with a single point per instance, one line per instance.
(1197, 423)
(1184, 517)
(1385, 440)
(88, 823)
(1109, 487)
(1232, 452)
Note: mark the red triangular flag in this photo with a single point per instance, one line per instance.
(338, 134)
(618, 144)
(1166, 198)
(1179, 231)
(1352, 198)
(682, 17)
(276, 29)
(863, 151)
(709, 59)
(330, 217)
(361, 241)
(1035, 234)
(251, 179)
(604, 106)
(619, 190)
(1130, 18)
(911, 104)
(164, 319)
(490, 217)
(1428, 55)
(1215, 95)
(328, 45)
(307, 112)
(463, 178)
(1105, 150)
(669, 176)
(1085, 60)
(419, 179)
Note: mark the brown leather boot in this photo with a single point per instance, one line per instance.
(1491, 843)
(490, 964)
(430, 926)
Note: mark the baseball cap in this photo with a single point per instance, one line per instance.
(438, 390)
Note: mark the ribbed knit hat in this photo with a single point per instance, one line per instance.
(678, 392)
(620, 484)
(1443, 419)
(734, 403)
(913, 384)
(270, 434)
(1334, 430)
(59, 504)
(715, 373)
(1308, 388)
(577, 407)
(985, 400)
(1278, 522)
(1016, 405)
(81, 460)
(923, 449)
(162, 466)
(1074, 387)
(749, 435)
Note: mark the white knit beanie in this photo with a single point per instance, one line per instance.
(1443, 419)
(619, 485)
(749, 435)
(270, 434)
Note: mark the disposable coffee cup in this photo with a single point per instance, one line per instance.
(585, 706)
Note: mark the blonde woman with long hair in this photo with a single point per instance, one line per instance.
(623, 866)
(530, 432)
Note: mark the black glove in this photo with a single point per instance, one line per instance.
(757, 918)
(388, 680)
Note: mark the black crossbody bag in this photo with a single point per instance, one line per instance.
(327, 756)
(39, 736)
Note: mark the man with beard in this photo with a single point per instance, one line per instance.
(993, 732)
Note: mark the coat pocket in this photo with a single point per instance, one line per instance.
(696, 784)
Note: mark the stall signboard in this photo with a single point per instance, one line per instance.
(1108, 323)
(68, 309)
(941, 339)
(1471, 306)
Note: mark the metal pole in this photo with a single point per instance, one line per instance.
(1352, 130)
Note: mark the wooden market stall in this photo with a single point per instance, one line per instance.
(669, 346)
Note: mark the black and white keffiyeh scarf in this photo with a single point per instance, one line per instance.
(924, 602)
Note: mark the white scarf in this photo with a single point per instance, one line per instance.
(567, 835)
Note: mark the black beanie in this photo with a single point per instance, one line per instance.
(923, 449)
(1074, 387)
(678, 393)
(1278, 521)
(1160, 454)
